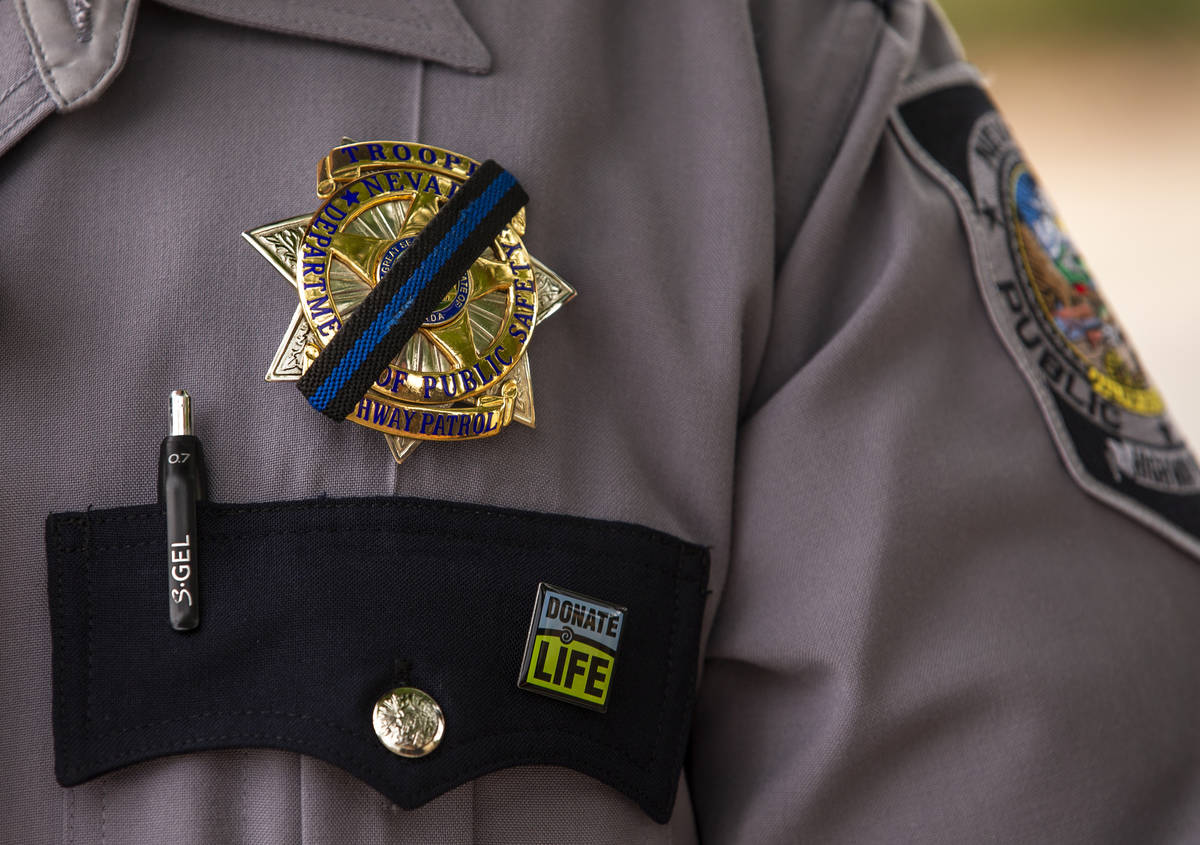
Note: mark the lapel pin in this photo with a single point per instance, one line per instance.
(571, 648)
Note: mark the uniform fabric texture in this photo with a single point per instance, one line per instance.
(919, 627)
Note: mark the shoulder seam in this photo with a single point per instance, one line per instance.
(958, 73)
(843, 129)
(885, 6)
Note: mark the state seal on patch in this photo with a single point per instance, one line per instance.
(465, 372)
(1107, 419)
(1082, 326)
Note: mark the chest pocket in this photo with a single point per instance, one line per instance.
(312, 611)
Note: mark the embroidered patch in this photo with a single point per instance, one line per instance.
(1108, 420)
(571, 650)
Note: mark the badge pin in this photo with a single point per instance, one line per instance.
(464, 374)
(571, 650)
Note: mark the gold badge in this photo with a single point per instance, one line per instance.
(465, 373)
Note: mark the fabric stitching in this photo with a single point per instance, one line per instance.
(355, 734)
(435, 50)
(208, 714)
(422, 22)
(649, 534)
(90, 522)
(122, 35)
(103, 812)
(371, 769)
(90, 630)
(346, 30)
(693, 669)
(434, 787)
(662, 708)
(40, 52)
(69, 832)
(301, 791)
(7, 92)
(177, 743)
(246, 816)
(21, 116)
(101, 78)
(58, 632)
(223, 538)
(361, 735)
(418, 98)
(174, 746)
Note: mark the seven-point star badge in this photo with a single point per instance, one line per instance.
(465, 373)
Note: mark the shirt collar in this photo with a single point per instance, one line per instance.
(434, 30)
(77, 47)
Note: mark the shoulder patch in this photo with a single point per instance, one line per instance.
(1107, 419)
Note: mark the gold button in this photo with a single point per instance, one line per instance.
(408, 722)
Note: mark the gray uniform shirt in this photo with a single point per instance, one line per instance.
(920, 627)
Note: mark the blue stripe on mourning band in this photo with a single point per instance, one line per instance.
(397, 307)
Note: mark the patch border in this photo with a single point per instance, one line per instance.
(531, 636)
(972, 217)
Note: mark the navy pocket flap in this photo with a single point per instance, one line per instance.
(310, 611)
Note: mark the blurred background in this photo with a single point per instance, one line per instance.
(1104, 96)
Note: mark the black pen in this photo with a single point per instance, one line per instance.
(180, 486)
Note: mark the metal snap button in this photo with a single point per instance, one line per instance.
(408, 722)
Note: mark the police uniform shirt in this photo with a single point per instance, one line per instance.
(919, 626)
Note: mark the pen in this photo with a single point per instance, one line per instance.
(180, 486)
